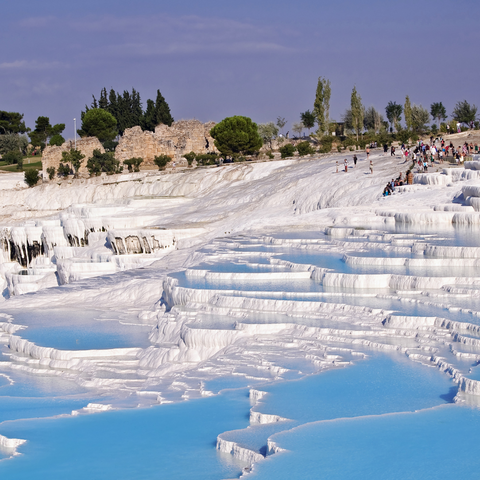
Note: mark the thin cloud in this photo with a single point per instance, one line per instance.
(30, 65)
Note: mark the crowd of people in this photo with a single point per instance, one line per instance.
(395, 182)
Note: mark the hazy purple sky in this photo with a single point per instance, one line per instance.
(214, 59)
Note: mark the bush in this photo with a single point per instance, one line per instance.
(103, 162)
(270, 155)
(64, 169)
(110, 145)
(304, 148)
(443, 127)
(287, 150)
(14, 156)
(57, 140)
(20, 164)
(208, 158)
(133, 164)
(31, 177)
(161, 161)
(476, 124)
(51, 172)
(403, 136)
(190, 157)
(434, 129)
(327, 142)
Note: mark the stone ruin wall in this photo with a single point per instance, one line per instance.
(182, 137)
(52, 155)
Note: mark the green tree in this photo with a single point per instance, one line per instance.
(267, 131)
(56, 140)
(372, 120)
(64, 169)
(12, 122)
(420, 117)
(74, 158)
(464, 112)
(407, 110)
(304, 148)
(103, 162)
(149, 119)
(98, 123)
(44, 130)
(287, 150)
(394, 114)
(12, 142)
(12, 157)
(357, 111)
(161, 161)
(190, 157)
(321, 105)
(438, 112)
(162, 111)
(308, 119)
(235, 136)
(133, 164)
(31, 177)
(51, 173)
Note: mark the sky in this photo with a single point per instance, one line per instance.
(258, 58)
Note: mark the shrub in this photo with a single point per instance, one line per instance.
(190, 157)
(287, 150)
(133, 164)
(443, 127)
(20, 164)
(403, 136)
(327, 142)
(110, 145)
(476, 124)
(270, 155)
(304, 148)
(103, 162)
(51, 172)
(31, 177)
(434, 129)
(74, 158)
(14, 156)
(57, 140)
(161, 161)
(64, 169)
(207, 158)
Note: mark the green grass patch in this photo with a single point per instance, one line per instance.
(26, 166)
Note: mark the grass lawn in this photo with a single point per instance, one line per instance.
(26, 166)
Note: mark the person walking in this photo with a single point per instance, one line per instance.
(368, 152)
(346, 165)
(371, 167)
(337, 167)
(355, 160)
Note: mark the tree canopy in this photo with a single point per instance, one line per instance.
(394, 114)
(12, 122)
(358, 111)
(321, 105)
(98, 123)
(44, 130)
(308, 119)
(267, 131)
(236, 136)
(127, 110)
(464, 112)
(438, 112)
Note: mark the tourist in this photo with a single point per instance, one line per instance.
(346, 165)
(337, 167)
(371, 167)
(354, 160)
(368, 153)
(392, 151)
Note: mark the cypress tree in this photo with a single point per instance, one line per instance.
(149, 118)
(103, 102)
(137, 112)
(162, 111)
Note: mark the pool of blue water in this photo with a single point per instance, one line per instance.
(167, 441)
(431, 444)
(79, 330)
